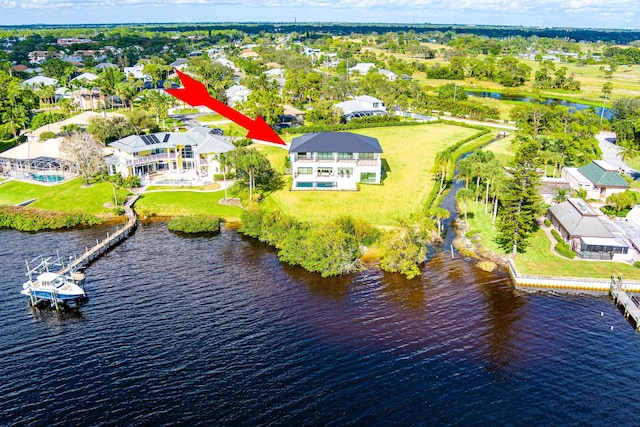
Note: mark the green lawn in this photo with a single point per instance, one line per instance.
(503, 149)
(481, 223)
(209, 118)
(408, 150)
(65, 197)
(539, 261)
(174, 203)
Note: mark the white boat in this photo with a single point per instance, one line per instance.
(52, 287)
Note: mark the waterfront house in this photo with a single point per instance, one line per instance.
(334, 161)
(588, 232)
(192, 153)
(599, 178)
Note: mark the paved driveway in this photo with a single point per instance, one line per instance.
(611, 153)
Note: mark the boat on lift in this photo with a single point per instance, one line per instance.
(52, 286)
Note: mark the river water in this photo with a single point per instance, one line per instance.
(215, 331)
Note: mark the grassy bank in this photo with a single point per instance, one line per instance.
(175, 203)
(70, 196)
(409, 153)
(539, 261)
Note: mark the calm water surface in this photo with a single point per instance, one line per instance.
(215, 331)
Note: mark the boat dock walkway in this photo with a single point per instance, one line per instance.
(110, 241)
(615, 287)
(624, 301)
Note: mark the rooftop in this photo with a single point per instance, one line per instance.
(602, 174)
(338, 142)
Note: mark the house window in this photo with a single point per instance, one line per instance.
(368, 177)
(187, 152)
(322, 155)
(325, 171)
(303, 156)
(365, 156)
(157, 151)
(305, 171)
(345, 156)
(345, 171)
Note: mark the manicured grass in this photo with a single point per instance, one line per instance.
(209, 118)
(539, 261)
(174, 203)
(409, 151)
(276, 155)
(633, 163)
(66, 197)
(187, 111)
(502, 149)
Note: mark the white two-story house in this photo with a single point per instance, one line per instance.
(334, 161)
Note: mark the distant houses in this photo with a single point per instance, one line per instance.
(236, 94)
(362, 106)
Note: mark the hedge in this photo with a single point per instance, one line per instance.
(564, 249)
(30, 219)
(195, 224)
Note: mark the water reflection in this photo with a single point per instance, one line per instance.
(504, 309)
(404, 293)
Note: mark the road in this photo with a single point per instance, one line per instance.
(611, 153)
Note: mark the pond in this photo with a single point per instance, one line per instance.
(523, 98)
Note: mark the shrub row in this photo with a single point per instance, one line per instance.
(556, 235)
(29, 219)
(564, 249)
(195, 224)
(353, 124)
(433, 194)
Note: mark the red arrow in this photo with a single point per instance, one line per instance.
(195, 93)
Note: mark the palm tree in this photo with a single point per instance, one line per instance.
(581, 193)
(440, 167)
(463, 195)
(440, 214)
(225, 162)
(561, 195)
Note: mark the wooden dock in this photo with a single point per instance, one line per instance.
(109, 242)
(624, 301)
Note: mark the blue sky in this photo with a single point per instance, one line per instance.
(555, 13)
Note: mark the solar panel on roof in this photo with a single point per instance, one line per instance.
(145, 139)
(154, 139)
(166, 137)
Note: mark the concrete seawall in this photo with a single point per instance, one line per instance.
(567, 283)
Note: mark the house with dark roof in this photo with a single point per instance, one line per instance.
(588, 232)
(334, 161)
(193, 153)
(599, 178)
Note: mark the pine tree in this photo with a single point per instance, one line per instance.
(521, 202)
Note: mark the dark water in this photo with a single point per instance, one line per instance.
(577, 105)
(215, 331)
